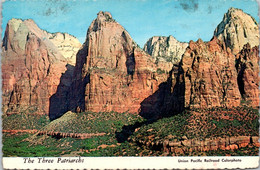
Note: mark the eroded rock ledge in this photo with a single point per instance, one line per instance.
(55, 134)
(209, 144)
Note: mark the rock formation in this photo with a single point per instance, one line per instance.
(177, 148)
(165, 50)
(213, 76)
(210, 75)
(112, 73)
(237, 29)
(67, 45)
(32, 69)
(248, 69)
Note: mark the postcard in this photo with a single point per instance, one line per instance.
(140, 84)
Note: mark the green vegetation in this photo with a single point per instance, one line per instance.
(24, 121)
(163, 127)
(201, 124)
(246, 151)
(127, 128)
(15, 146)
(109, 123)
(89, 122)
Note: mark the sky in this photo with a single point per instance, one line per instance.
(184, 19)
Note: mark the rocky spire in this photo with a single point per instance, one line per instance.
(112, 73)
(108, 44)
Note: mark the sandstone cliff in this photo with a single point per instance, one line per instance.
(32, 69)
(237, 29)
(165, 50)
(213, 75)
(112, 73)
(247, 64)
(210, 75)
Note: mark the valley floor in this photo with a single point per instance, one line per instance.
(208, 132)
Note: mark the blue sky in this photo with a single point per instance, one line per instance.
(184, 19)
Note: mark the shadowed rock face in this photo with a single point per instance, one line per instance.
(31, 68)
(112, 73)
(237, 29)
(248, 69)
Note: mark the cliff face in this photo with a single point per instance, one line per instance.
(210, 75)
(112, 73)
(247, 64)
(237, 29)
(165, 50)
(224, 71)
(32, 67)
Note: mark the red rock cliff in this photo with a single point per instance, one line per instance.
(111, 72)
(247, 64)
(213, 75)
(32, 67)
(210, 75)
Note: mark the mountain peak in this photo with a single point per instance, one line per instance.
(23, 27)
(35, 62)
(104, 16)
(235, 13)
(14, 23)
(237, 29)
(108, 38)
(166, 49)
(233, 10)
(102, 19)
(17, 32)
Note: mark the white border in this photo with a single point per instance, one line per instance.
(134, 162)
(125, 162)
